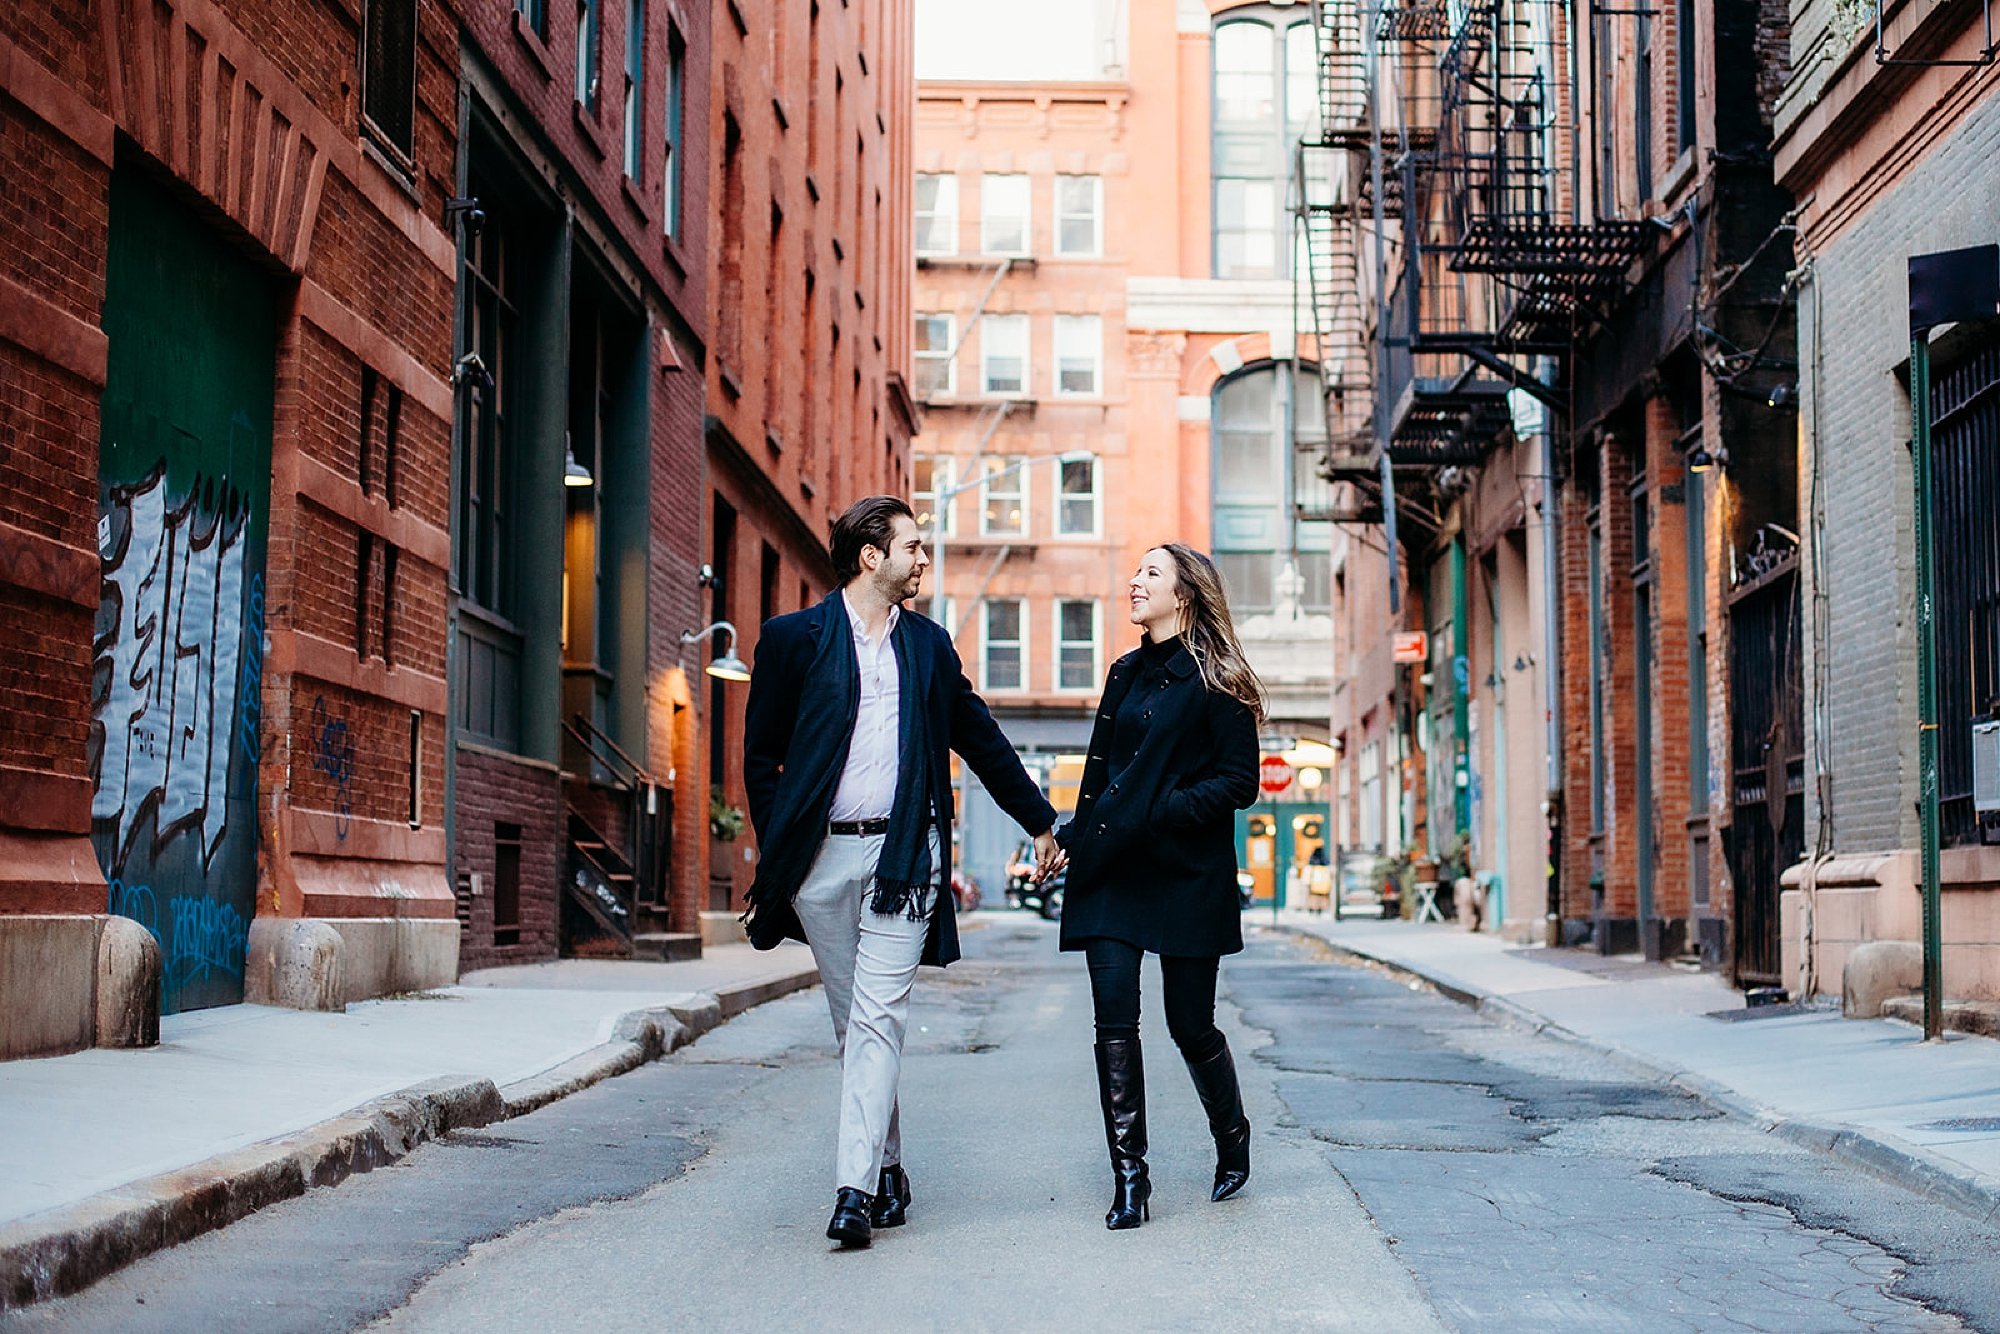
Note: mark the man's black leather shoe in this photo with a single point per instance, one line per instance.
(892, 1197)
(850, 1225)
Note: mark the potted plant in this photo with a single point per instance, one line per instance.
(725, 822)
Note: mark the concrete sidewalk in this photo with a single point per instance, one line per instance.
(1925, 1114)
(106, 1155)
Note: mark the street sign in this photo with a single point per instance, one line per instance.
(1410, 646)
(1273, 774)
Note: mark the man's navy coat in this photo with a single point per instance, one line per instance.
(958, 720)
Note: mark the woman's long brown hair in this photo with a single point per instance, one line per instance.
(1208, 631)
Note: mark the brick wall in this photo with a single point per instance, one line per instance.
(495, 789)
(1854, 339)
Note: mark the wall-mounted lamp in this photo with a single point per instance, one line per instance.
(574, 473)
(1701, 458)
(728, 667)
(1783, 396)
(467, 211)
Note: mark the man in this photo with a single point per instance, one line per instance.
(853, 705)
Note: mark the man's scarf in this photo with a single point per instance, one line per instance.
(829, 701)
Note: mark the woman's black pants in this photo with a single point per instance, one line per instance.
(1187, 988)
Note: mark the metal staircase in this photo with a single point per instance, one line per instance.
(614, 902)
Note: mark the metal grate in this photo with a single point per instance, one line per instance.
(1965, 446)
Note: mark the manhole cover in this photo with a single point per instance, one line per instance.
(1976, 1125)
(1760, 1012)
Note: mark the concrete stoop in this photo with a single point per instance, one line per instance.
(67, 1249)
(1981, 1018)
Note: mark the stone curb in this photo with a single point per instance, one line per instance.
(1873, 1151)
(67, 1249)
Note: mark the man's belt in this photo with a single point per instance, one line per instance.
(860, 828)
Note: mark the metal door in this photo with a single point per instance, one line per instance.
(184, 481)
(1767, 749)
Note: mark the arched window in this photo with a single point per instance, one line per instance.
(1255, 416)
(1265, 97)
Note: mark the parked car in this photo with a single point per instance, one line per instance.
(964, 891)
(1022, 891)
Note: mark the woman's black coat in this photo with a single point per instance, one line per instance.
(1152, 857)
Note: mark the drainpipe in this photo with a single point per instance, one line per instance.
(1927, 683)
(1552, 678)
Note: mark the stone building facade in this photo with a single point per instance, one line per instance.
(1889, 161)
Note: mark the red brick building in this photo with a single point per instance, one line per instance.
(225, 349)
(583, 224)
(809, 404)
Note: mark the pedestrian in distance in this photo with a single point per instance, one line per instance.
(853, 706)
(1152, 858)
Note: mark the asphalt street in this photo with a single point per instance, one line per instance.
(1416, 1166)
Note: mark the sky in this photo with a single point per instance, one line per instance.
(1012, 39)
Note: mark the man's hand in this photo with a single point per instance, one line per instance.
(1049, 856)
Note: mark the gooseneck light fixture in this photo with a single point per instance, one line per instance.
(728, 667)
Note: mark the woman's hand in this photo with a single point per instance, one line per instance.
(1049, 856)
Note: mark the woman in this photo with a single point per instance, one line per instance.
(1152, 857)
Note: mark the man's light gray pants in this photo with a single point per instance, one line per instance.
(867, 965)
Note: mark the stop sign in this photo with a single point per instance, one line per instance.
(1273, 774)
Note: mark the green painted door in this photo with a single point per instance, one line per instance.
(183, 505)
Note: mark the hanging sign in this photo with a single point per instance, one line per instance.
(1410, 646)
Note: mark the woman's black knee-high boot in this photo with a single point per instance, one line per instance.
(1121, 1090)
(1215, 1084)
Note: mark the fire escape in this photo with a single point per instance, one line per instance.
(1435, 165)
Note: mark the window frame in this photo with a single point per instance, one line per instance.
(1096, 247)
(1073, 324)
(589, 56)
(986, 216)
(635, 90)
(948, 215)
(990, 322)
(672, 154)
(404, 59)
(947, 356)
(987, 643)
(1065, 498)
(1093, 677)
(1013, 468)
(941, 511)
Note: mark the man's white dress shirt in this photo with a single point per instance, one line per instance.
(867, 788)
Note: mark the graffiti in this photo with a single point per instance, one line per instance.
(135, 902)
(168, 667)
(333, 755)
(250, 686)
(207, 935)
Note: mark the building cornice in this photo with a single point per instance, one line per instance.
(1209, 305)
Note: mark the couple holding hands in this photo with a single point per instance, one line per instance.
(854, 705)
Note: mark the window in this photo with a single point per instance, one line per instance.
(930, 474)
(670, 208)
(534, 13)
(1246, 229)
(635, 86)
(1079, 350)
(936, 377)
(1079, 215)
(938, 610)
(937, 215)
(1002, 646)
(1076, 645)
(1003, 355)
(1245, 93)
(1371, 795)
(389, 72)
(1251, 578)
(1003, 215)
(1076, 497)
(1265, 100)
(1003, 510)
(587, 26)
(1247, 461)
(1684, 94)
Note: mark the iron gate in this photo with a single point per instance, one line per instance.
(1767, 761)
(1965, 430)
